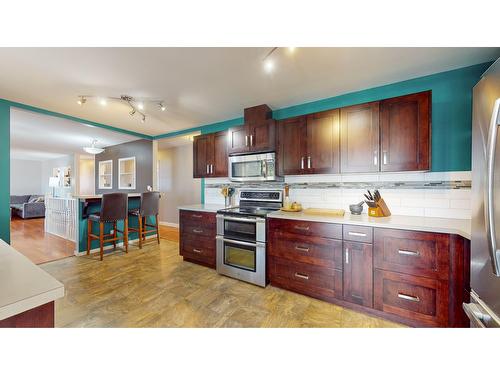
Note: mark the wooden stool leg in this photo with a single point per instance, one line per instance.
(157, 229)
(144, 222)
(101, 238)
(114, 234)
(89, 231)
(140, 231)
(125, 234)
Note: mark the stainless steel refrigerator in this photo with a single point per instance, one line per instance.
(484, 307)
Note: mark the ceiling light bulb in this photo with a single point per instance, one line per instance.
(140, 106)
(103, 102)
(269, 66)
(82, 100)
(162, 107)
(79, 102)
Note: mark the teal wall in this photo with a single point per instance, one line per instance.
(5, 172)
(451, 112)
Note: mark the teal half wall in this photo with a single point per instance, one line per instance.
(451, 112)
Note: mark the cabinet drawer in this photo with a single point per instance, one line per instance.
(198, 218)
(316, 281)
(417, 298)
(358, 233)
(308, 228)
(313, 250)
(198, 230)
(198, 249)
(415, 253)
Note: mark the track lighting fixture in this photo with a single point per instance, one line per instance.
(136, 105)
(268, 62)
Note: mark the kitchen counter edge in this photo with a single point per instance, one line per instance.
(213, 208)
(460, 227)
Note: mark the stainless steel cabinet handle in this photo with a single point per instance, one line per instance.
(246, 140)
(208, 169)
(241, 219)
(490, 175)
(375, 157)
(302, 162)
(239, 242)
(408, 297)
(211, 169)
(251, 140)
(301, 248)
(384, 157)
(197, 231)
(346, 256)
(356, 234)
(409, 253)
(301, 228)
(301, 276)
(309, 162)
(197, 251)
(197, 216)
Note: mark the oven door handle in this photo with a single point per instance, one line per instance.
(252, 244)
(240, 219)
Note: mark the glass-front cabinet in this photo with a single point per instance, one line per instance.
(106, 174)
(126, 173)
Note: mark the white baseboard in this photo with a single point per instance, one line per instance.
(167, 224)
(108, 247)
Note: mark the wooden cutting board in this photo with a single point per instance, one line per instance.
(324, 212)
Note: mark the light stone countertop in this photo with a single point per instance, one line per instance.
(461, 227)
(23, 285)
(202, 207)
(99, 196)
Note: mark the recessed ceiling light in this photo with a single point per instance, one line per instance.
(103, 101)
(269, 65)
(140, 106)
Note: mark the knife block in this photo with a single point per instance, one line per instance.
(380, 211)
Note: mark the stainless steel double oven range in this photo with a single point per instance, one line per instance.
(241, 235)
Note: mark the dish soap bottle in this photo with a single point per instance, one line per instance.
(286, 201)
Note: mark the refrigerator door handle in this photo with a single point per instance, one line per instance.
(488, 204)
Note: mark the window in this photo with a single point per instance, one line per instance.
(126, 173)
(106, 174)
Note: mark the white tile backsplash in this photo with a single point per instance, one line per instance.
(446, 203)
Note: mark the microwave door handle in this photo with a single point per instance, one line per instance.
(264, 168)
(490, 175)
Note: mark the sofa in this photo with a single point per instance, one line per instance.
(27, 206)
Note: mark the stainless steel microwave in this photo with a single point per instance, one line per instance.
(254, 167)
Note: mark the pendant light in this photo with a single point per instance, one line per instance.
(93, 149)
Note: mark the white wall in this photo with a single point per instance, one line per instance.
(25, 177)
(176, 182)
(86, 176)
(48, 166)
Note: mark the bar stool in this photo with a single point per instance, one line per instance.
(114, 208)
(150, 202)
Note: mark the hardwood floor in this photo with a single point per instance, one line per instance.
(169, 233)
(153, 287)
(29, 238)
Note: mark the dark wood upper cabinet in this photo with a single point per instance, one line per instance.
(210, 155)
(256, 135)
(405, 133)
(359, 138)
(292, 135)
(323, 154)
(358, 273)
(202, 146)
(220, 155)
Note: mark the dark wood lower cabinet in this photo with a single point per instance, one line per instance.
(358, 273)
(38, 317)
(197, 237)
(416, 278)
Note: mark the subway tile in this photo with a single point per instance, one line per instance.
(436, 203)
(360, 177)
(448, 213)
(407, 176)
(460, 203)
(407, 211)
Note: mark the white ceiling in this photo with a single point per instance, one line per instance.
(178, 141)
(206, 85)
(34, 136)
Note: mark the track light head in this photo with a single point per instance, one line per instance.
(162, 107)
(132, 112)
(143, 119)
(82, 100)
